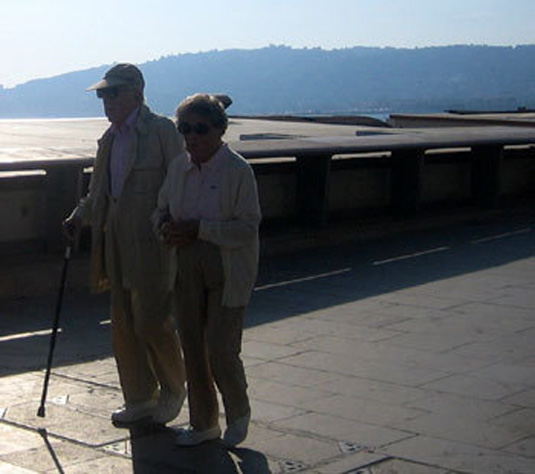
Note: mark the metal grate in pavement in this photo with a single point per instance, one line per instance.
(121, 447)
(350, 448)
(288, 465)
(61, 400)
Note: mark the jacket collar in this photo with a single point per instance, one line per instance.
(143, 119)
(140, 125)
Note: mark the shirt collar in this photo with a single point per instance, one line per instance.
(128, 124)
(212, 163)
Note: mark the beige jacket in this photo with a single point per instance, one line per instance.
(236, 233)
(144, 262)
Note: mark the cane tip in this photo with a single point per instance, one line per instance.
(41, 412)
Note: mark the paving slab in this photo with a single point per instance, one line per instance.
(371, 357)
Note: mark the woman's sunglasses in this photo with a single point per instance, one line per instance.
(186, 128)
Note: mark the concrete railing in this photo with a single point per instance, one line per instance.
(402, 157)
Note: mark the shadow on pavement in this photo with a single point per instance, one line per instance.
(320, 278)
(51, 450)
(288, 285)
(153, 450)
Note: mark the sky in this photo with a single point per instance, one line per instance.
(43, 38)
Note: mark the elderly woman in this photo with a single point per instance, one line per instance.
(208, 210)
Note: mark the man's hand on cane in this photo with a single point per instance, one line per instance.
(71, 227)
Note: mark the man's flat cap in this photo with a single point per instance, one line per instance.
(122, 74)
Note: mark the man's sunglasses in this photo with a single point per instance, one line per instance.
(109, 92)
(186, 128)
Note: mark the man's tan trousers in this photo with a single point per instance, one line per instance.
(148, 355)
(145, 342)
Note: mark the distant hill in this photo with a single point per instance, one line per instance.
(283, 80)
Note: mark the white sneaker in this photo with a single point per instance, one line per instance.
(236, 432)
(133, 413)
(169, 406)
(193, 437)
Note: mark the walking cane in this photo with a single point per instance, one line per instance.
(41, 410)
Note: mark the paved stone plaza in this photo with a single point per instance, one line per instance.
(410, 352)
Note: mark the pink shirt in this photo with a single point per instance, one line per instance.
(202, 189)
(122, 142)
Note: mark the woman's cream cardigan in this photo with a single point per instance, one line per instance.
(236, 233)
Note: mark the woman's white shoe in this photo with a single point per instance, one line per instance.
(193, 437)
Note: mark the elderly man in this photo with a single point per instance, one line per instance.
(131, 163)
